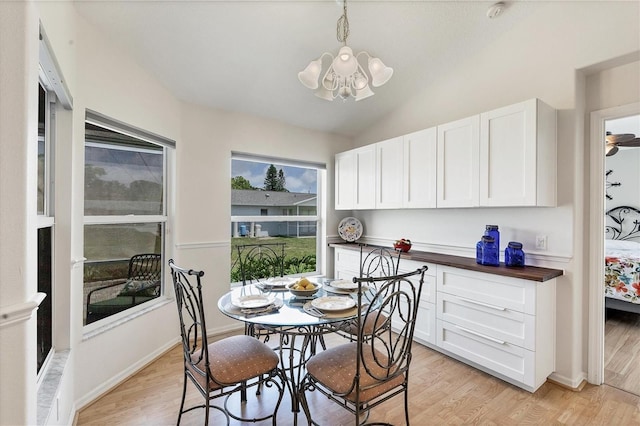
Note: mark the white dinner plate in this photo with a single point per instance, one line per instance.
(333, 303)
(252, 301)
(278, 281)
(344, 284)
(332, 289)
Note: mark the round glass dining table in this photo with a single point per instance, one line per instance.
(292, 318)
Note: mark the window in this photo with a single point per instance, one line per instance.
(124, 216)
(45, 226)
(274, 200)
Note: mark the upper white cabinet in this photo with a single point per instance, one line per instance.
(458, 163)
(390, 170)
(406, 171)
(419, 186)
(355, 179)
(345, 178)
(518, 155)
(501, 158)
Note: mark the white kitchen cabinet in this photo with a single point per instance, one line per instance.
(365, 177)
(345, 179)
(518, 155)
(406, 171)
(458, 162)
(503, 325)
(346, 264)
(425, 330)
(419, 174)
(389, 173)
(355, 179)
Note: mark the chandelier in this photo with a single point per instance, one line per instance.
(345, 76)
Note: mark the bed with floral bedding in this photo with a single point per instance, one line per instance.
(622, 259)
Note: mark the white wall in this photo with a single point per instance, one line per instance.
(105, 80)
(18, 248)
(542, 59)
(204, 190)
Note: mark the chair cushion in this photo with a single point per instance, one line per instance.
(235, 359)
(335, 368)
(117, 304)
(369, 323)
(140, 288)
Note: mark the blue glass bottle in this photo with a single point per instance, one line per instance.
(490, 252)
(492, 231)
(479, 251)
(513, 254)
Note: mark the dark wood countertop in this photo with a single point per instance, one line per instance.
(531, 273)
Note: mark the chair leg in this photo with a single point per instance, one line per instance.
(406, 405)
(184, 394)
(302, 400)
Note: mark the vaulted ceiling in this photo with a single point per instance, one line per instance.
(244, 56)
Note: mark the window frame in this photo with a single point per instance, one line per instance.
(319, 218)
(164, 219)
(46, 218)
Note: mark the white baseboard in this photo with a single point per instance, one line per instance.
(573, 383)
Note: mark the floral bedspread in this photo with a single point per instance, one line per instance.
(622, 277)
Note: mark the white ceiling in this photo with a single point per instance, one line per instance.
(244, 56)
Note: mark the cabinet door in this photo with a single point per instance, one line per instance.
(345, 179)
(365, 185)
(518, 155)
(458, 163)
(390, 170)
(508, 156)
(420, 169)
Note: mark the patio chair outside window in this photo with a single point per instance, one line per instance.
(142, 284)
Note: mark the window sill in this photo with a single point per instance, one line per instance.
(130, 315)
(49, 386)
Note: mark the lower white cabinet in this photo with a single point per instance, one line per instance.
(502, 325)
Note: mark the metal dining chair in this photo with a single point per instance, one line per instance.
(224, 367)
(367, 372)
(260, 262)
(376, 262)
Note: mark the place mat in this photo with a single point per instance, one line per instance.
(233, 309)
(309, 309)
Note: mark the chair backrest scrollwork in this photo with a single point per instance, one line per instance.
(259, 261)
(385, 353)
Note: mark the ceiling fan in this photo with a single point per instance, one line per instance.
(622, 139)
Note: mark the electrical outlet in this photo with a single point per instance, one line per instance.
(541, 242)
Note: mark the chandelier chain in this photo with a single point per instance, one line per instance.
(342, 27)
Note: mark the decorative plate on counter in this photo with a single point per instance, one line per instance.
(350, 229)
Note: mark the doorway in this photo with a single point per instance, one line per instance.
(614, 336)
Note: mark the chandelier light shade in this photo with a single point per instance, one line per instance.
(345, 77)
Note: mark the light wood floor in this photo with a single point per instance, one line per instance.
(442, 392)
(622, 351)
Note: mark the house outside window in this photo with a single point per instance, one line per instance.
(284, 212)
(125, 217)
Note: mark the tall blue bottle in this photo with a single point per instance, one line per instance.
(490, 254)
(492, 231)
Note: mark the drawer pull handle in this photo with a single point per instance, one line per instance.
(486, 305)
(475, 333)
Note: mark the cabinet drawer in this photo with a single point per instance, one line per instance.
(347, 259)
(506, 359)
(425, 330)
(504, 292)
(429, 287)
(496, 322)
